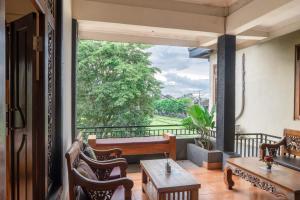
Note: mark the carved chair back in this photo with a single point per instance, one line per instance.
(72, 157)
(292, 142)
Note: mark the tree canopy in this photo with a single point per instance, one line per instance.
(172, 107)
(115, 84)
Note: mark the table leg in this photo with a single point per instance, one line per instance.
(228, 177)
(194, 195)
(144, 179)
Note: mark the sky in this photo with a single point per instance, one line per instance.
(180, 74)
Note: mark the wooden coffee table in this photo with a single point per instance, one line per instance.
(281, 181)
(158, 185)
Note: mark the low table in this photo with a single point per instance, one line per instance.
(281, 181)
(158, 185)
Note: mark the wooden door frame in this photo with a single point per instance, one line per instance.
(52, 139)
(2, 102)
(42, 148)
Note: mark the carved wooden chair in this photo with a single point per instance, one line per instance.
(96, 185)
(105, 157)
(289, 148)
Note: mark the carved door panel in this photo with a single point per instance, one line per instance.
(22, 84)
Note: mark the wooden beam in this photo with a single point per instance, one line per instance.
(251, 35)
(114, 13)
(209, 43)
(284, 29)
(226, 93)
(190, 7)
(116, 37)
(255, 13)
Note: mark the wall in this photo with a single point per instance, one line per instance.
(269, 102)
(66, 89)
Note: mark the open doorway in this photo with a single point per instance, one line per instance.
(25, 156)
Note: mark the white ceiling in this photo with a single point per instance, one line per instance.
(195, 23)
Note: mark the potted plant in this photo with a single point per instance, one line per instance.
(202, 153)
(203, 122)
(269, 162)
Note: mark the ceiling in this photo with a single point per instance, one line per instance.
(18, 8)
(194, 23)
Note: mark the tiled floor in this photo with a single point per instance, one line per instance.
(212, 185)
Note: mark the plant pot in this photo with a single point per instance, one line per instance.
(211, 159)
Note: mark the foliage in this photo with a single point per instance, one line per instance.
(201, 119)
(172, 107)
(115, 84)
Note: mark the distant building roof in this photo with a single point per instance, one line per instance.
(199, 52)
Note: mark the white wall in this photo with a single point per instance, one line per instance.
(66, 88)
(269, 106)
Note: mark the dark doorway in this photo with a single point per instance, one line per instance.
(22, 106)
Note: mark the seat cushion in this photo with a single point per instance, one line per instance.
(119, 194)
(88, 151)
(80, 194)
(115, 173)
(85, 170)
(290, 162)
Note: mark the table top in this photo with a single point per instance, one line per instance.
(280, 175)
(178, 179)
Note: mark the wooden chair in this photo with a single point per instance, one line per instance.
(289, 145)
(107, 156)
(103, 155)
(115, 189)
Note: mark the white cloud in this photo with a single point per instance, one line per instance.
(179, 73)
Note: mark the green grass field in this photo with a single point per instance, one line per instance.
(162, 120)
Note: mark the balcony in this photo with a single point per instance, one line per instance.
(246, 144)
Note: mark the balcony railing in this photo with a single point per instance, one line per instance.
(247, 145)
(136, 131)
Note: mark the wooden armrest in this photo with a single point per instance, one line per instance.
(113, 160)
(90, 184)
(116, 151)
(121, 163)
(265, 146)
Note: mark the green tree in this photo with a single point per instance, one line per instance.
(172, 106)
(115, 84)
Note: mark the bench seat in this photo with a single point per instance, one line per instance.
(290, 162)
(134, 140)
(138, 145)
(289, 148)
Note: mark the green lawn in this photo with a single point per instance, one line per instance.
(162, 120)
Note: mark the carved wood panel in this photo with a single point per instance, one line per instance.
(52, 147)
(51, 106)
